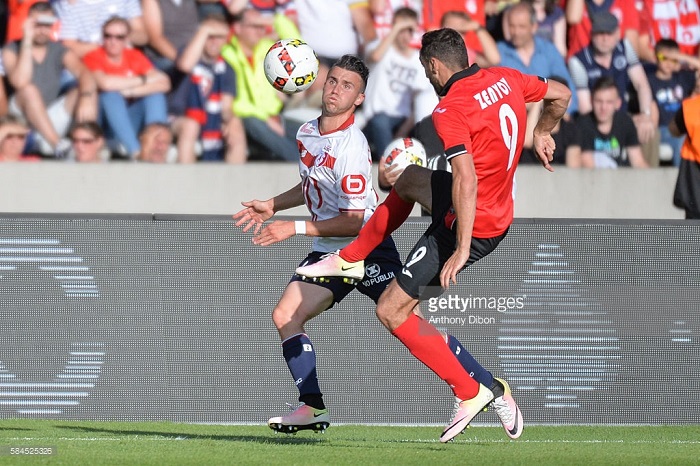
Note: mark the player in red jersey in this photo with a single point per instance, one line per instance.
(481, 120)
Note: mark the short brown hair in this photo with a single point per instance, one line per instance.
(116, 19)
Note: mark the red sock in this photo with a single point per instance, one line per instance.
(388, 216)
(427, 344)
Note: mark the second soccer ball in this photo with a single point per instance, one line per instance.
(404, 152)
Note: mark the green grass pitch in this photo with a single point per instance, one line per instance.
(164, 443)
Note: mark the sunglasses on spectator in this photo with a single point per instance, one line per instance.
(663, 57)
(83, 140)
(256, 26)
(107, 35)
(16, 136)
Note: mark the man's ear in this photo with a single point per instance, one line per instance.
(433, 65)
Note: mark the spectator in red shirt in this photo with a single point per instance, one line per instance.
(132, 90)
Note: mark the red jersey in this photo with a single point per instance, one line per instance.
(483, 113)
(134, 63)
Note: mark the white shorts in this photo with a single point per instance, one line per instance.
(59, 117)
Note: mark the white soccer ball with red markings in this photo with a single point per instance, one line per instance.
(403, 152)
(291, 65)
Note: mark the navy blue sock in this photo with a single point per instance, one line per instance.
(301, 360)
(470, 364)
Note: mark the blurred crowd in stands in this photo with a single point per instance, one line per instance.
(181, 81)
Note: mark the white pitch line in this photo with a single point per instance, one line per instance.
(630, 442)
(96, 439)
(431, 440)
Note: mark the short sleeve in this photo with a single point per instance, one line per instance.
(228, 81)
(587, 132)
(680, 121)
(629, 130)
(353, 175)
(92, 60)
(574, 135)
(195, 104)
(630, 53)
(453, 129)
(138, 62)
(132, 9)
(578, 73)
(534, 87)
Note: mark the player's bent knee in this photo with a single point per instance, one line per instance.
(282, 316)
(286, 315)
(392, 317)
(393, 308)
(383, 315)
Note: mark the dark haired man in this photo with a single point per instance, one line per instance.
(608, 135)
(481, 120)
(336, 171)
(34, 65)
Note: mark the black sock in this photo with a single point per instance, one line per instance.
(497, 388)
(315, 400)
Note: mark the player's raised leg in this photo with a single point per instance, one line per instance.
(412, 186)
(427, 344)
(299, 303)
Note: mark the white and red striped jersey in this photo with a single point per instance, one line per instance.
(336, 176)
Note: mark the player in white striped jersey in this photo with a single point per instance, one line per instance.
(336, 176)
(336, 186)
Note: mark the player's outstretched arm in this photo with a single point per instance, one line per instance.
(345, 224)
(556, 101)
(256, 212)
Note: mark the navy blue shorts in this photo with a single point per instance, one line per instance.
(381, 266)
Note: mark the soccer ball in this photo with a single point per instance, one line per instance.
(291, 65)
(404, 152)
